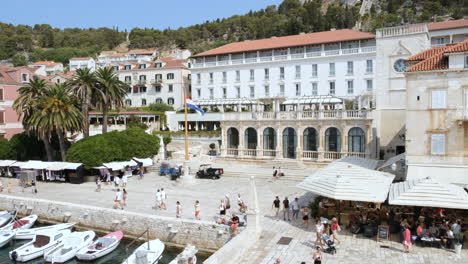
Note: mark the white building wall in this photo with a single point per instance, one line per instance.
(457, 61)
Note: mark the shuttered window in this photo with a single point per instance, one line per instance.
(438, 99)
(438, 144)
(2, 117)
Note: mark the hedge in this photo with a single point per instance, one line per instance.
(113, 146)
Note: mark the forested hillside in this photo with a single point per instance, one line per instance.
(24, 43)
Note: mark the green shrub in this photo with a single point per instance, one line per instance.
(134, 121)
(160, 107)
(113, 146)
(228, 110)
(6, 152)
(216, 110)
(212, 146)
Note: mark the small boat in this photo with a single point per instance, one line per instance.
(24, 223)
(150, 252)
(6, 237)
(190, 251)
(69, 246)
(7, 217)
(101, 247)
(41, 243)
(30, 233)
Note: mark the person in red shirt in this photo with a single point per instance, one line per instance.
(335, 228)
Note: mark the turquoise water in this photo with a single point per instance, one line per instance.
(117, 256)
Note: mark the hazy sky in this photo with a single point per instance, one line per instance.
(127, 14)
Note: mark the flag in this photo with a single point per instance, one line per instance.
(191, 105)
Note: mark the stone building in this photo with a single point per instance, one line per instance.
(437, 114)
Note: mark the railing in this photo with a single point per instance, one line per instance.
(269, 153)
(292, 56)
(141, 81)
(250, 152)
(402, 30)
(156, 81)
(329, 155)
(356, 154)
(232, 152)
(306, 154)
(129, 82)
(300, 115)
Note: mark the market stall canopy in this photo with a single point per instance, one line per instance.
(146, 162)
(392, 160)
(428, 192)
(345, 181)
(58, 166)
(6, 163)
(119, 165)
(35, 165)
(362, 162)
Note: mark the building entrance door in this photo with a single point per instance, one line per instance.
(289, 143)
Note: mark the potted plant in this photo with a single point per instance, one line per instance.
(458, 238)
(212, 150)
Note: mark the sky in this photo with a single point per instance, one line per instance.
(124, 14)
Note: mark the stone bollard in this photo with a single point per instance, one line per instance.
(66, 216)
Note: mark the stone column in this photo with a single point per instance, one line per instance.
(241, 141)
(259, 142)
(224, 145)
(300, 142)
(369, 140)
(279, 145)
(344, 139)
(321, 147)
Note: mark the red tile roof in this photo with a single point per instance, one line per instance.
(289, 41)
(82, 58)
(140, 51)
(448, 24)
(47, 63)
(433, 61)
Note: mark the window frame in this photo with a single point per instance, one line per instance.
(439, 100)
(438, 150)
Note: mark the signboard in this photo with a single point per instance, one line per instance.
(383, 232)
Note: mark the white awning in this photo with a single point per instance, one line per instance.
(36, 165)
(326, 99)
(349, 182)
(392, 160)
(146, 162)
(6, 163)
(362, 162)
(115, 166)
(428, 192)
(58, 166)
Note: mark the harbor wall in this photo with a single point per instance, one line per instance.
(206, 236)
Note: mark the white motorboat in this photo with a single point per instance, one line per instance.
(69, 246)
(6, 217)
(24, 223)
(190, 251)
(101, 247)
(30, 233)
(148, 253)
(41, 243)
(6, 237)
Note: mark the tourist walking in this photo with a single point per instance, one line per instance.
(116, 181)
(178, 210)
(295, 208)
(33, 185)
(319, 227)
(275, 173)
(317, 256)
(305, 216)
(276, 205)
(124, 197)
(118, 200)
(335, 227)
(197, 210)
(158, 199)
(98, 185)
(286, 209)
(163, 199)
(124, 181)
(140, 172)
(406, 239)
(222, 208)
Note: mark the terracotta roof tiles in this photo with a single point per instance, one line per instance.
(81, 58)
(448, 24)
(436, 59)
(289, 41)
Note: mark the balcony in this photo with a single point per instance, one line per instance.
(301, 155)
(295, 56)
(300, 115)
(129, 82)
(156, 81)
(141, 81)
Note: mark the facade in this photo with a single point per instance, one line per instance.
(338, 63)
(437, 114)
(81, 63)
(161, 81)
(11, 79)
(110, 56)
(47, 68)
(394, 46)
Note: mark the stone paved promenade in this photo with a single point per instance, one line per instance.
(208, 192)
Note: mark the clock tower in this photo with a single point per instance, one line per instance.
(394, 46)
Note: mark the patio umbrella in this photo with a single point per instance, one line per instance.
(428, 192)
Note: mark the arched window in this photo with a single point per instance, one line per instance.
(170, 101)
(159, 101)
(269, 139)
(333, 139)
(232, 138)
(251, 138)
(311, 139)
(289, 143)
(356, 140)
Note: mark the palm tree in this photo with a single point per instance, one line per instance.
(57, 110)
(111, 94)
(84, 85)
(25, 106)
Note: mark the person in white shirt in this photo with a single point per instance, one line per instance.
(124, 181)
(158, 199)
(456, 227)
(116, 181)
(295, 208)
(163, 199)
(118, 199)
(178, 210)
(319, 227)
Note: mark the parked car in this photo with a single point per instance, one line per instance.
(206, 171)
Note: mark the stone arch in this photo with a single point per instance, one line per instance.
(251, 138)
(289, 143)
(333, 139)
(269, 138)
(310, 139)
(232, 138)
(356, 140)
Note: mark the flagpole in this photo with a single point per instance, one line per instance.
(186, 127)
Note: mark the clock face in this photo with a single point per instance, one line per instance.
(400, 65)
